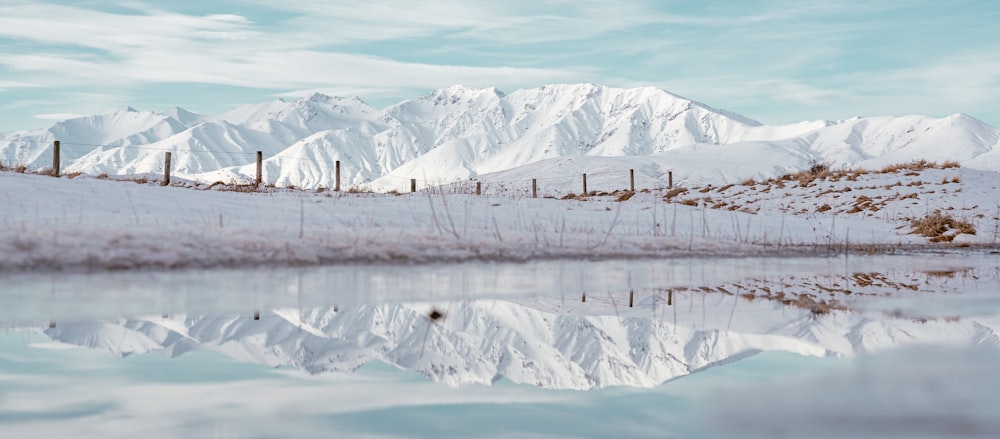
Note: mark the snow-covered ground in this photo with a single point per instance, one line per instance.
(87, 223)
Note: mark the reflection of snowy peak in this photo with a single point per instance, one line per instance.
(483, 341)
(461, 132)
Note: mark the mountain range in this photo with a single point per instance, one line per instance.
(458, 133)
(540, 343)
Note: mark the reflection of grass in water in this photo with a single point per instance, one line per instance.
(965, 272)
(823, 294)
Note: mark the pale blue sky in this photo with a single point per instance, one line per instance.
(778, 61)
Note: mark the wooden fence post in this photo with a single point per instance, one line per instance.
(336, 184)
(256, 315)
(166, 168)
(413, 185)
(631, 180)
(534, 188)
(670, 179)
(585, 185)
(670, 297)
(631, 297)
(260, 167)
(583, 298)
(479, 188)
(55, 158)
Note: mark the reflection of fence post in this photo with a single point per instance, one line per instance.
(670, 179)
(336, 183)
(585, 185)
(55, 158)
(260, 167)
(631, 297)
(479, 188)
(166, 168)
(534, 188)
(631, 180)
(413, 185)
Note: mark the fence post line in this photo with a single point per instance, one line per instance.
(413, 185)
(55, 158)
(336, 186)
(534, 188)
(260, 167)
(479, 188)
(631, 180)
(585, 184)
(670, 179)
(166, 168)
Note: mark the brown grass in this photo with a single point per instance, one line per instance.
(949, 164)
(625, 196)
(916, 165)
(937, 226)
(674, 192)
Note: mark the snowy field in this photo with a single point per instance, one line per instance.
(443, 311)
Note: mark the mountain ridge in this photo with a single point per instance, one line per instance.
(459, 132)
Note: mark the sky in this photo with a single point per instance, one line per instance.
(778, 61)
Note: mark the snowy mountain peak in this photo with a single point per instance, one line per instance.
(458, 132)
(184, 116)
(458, 93)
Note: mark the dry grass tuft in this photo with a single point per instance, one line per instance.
(949, 164)
(674, 192)
(938, 227)
(625, 196)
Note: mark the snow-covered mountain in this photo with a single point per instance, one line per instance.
(538, 342)
(458, 133)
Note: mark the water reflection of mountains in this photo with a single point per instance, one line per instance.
(563, 342)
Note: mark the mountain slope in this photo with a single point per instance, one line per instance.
(459, 132)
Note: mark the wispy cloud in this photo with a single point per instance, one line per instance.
(57, 116)
(785, 58)
(219, 49)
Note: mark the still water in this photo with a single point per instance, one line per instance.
(210, 384)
